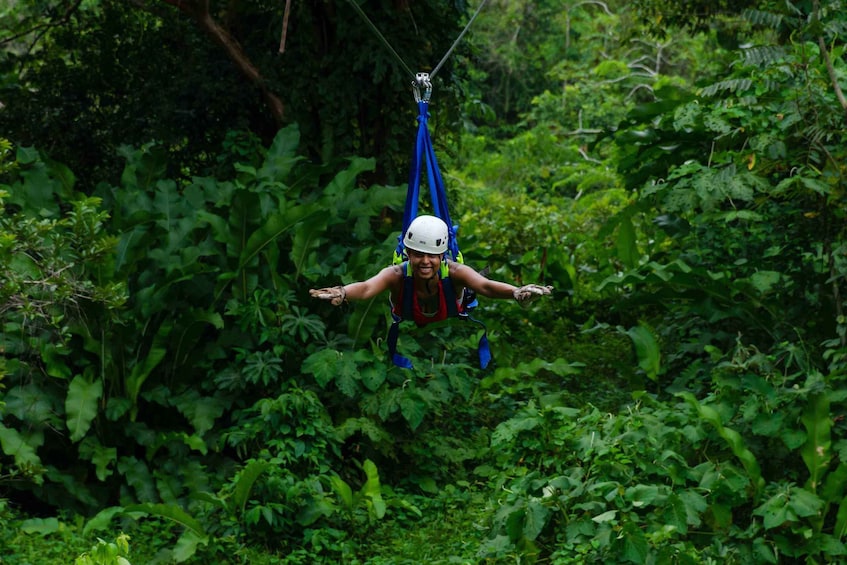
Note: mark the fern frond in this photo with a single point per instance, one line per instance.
(763, 19)
(764, 55)
(730, 85)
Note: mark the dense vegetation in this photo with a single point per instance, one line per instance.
(174, 179)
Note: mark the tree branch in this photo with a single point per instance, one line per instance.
(832, 76)
(199, 12)
(41, 29)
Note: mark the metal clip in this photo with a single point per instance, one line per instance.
(422, 87)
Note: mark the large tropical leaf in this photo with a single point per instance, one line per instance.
(81, 405)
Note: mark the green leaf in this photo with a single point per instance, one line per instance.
(840, 529)
(764, 281)
(816, 451)
(775, 511)
(246, 479)
(138, 476)
(186, 545)
(170, 512)
(102, 520)
(282, 154)
(102, 457)
(535, 518)
(14, 445)
(81, 405)
(607, 516)
(733, 439)
(695, 505)
(676, 515)
(642, 495)
(804, 503)
(372, 378)
(343, 491)
(627, 249)
(139, 373)
(41, 526)
(635, 546)
(275, 225)
(646, 350)
(322, 364)
(413, 409)
(373, 490)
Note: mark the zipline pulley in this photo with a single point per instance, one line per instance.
(422, 87)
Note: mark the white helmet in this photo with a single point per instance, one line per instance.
(427, 234)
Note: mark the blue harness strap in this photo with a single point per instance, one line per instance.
(423, 159)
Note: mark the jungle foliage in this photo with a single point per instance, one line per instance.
(170, 393)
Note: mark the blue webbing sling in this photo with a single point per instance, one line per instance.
(424, 157)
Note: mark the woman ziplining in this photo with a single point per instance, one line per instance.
(428, 281)
(429, 287)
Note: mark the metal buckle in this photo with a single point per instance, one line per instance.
(422, 87)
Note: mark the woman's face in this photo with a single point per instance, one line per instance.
(424, 265)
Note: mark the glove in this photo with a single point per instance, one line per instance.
(335, 294)
(527, 293)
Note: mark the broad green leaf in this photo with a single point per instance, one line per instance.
(840, 529)
(102, 520)
(635, 546)
(314, 510)
(413, 409)
(372, 378)
(642, 495)
(81, 405)
(347, 376)
(373, 490)
(764, 281)
(804, 503)
(171, 512)
(140, 372)
(343, 491)
(201, 411)
(41, 526)
(535, 519)
(834, 484)
(138, 476)
(675, 514)
(816, 451)
(695, 505)
(246, 479)
(186, 545)
(646, 350)
(607, 516)
(306, 241)
(272, 228)
(281, 155)
(775, 511)
(102, 457)
(322, 364)
(626, 246)
(733, 439)
(345, 180)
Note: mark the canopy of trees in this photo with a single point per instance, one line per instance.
(174, 176)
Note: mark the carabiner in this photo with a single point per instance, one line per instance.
(422, 83)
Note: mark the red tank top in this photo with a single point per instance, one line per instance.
(420, 318)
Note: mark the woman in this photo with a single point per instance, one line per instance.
(433, 280)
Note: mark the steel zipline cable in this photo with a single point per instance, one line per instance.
(394, 52)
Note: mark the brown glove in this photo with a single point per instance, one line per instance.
(335, 294)
(529, 292)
